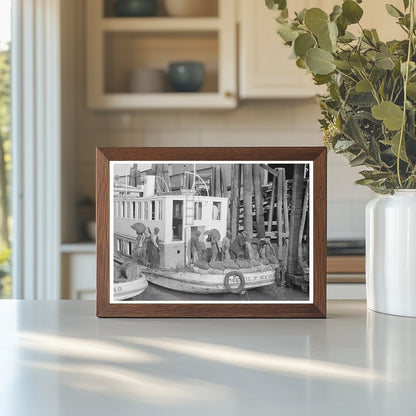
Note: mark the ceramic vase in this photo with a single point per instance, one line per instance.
(391, 253)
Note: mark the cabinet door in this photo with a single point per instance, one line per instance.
(265, 68)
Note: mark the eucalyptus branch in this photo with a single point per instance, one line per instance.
(406, 80)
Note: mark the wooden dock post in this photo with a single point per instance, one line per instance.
(279, 207)
(295, 218)
(258, 199)
(235, 199)
(248, 199)
(271, 206)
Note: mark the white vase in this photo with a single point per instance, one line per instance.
(391, 253)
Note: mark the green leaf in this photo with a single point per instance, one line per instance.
(358, 61)
(301, 63)
(394, 144)
(336, 12)
(358, 160)
(301, 15)
(406, 4)
(388, 112)
(374, 175)
(303, 43)
(393, 11)
(351, 11)
(276, 4)
(316, 20)
(343, 145)
(384, 62)
(411, 90)
(319, 61)
(344, 65)
(325, 42)
(363, 86)
(287, 33)
(375, 35)
(321, 79)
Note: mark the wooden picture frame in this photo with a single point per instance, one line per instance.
(109, 191)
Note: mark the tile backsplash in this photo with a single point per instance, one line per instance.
(256, 123)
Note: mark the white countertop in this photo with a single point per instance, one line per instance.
(57, 358)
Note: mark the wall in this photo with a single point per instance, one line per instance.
(255, 123)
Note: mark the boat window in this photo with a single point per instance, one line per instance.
(139, 210)
(133, 206)
(177, 220)
(153, 210)
(123, 209)
(198, 211)
(129, 248)
(160, 210)
(118, 244)
(216, 211)
(146, 210)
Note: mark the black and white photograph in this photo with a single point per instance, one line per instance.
(211, 232)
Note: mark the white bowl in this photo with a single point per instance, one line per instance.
(191, 8)
(147, 80)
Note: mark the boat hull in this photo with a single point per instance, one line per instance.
(190, 282)
(129, 288)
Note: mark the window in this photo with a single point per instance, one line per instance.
(160, 210)
(153, 210)
(123, 209)
(216, 211)
(5, 147)
(133, 207)
(129, 246)
(139, 210)
(146, 210)
(198, 211)
(118, 244)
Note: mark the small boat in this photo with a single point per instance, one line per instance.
(214, 281)
(133, 283)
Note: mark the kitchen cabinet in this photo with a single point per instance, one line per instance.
(78, 263)
(118, 45)
(265, 70)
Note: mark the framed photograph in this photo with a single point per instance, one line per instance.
(211, 232)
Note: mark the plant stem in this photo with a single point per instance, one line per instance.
(406, 80)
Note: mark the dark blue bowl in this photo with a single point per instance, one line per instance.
(135, 8)
(186, 76)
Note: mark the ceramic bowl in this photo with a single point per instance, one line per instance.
(191, 8)
(135, 8)
(186, 76)
(147, 80)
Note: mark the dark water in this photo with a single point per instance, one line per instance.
(266, 293)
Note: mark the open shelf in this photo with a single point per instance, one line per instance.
(118, 45)
(211, 9)
(160, 24)
(126, 51)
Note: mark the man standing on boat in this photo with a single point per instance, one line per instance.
(226, 244)
(237, 246)
(153, 249)
(195, 246)
(214, 237)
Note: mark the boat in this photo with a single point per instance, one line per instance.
(133, 283)
(212, 281)
(178, 215)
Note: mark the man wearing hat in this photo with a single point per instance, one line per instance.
(194, 245)
(237, 246)
(226, 244)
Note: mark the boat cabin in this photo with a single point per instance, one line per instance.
(177, 217)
